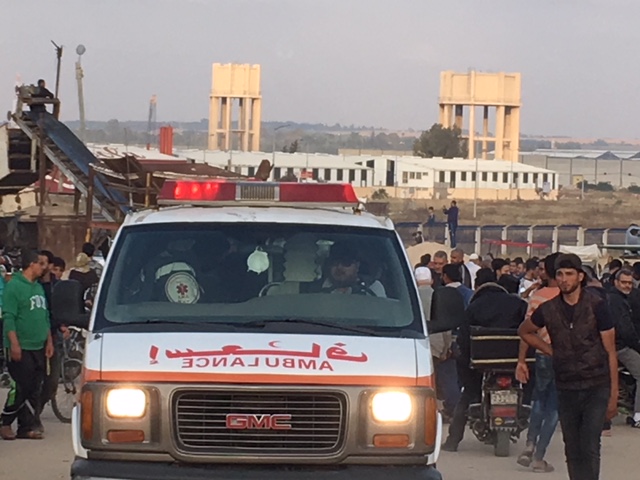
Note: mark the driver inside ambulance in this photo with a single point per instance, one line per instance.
(343, 273)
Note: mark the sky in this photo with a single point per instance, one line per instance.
(363, 62)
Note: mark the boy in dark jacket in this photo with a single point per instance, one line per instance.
(27, 337)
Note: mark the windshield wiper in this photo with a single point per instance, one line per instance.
(157, 321)
(264, 323)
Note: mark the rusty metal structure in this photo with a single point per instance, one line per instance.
(37, 147)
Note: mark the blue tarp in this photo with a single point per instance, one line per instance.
(78, 153)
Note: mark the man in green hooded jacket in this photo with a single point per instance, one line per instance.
(28, 344)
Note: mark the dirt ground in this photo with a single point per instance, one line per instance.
(50, 459)
(597, 210)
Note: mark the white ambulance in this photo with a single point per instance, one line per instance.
(255, 330)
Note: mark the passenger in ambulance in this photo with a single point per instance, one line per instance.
(171, 275)
(213, 277)
(342, 273)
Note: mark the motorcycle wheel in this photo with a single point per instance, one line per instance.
(503, 444)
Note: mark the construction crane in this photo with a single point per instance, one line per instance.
(151, 124)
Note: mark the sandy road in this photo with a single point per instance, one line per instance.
(50, 458)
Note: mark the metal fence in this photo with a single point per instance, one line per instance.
(529, 240)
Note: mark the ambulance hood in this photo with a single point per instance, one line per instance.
(241, 358)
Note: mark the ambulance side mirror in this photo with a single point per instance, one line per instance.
(447, 310)
(67, 304)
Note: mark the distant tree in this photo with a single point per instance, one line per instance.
(569, 145)
(288, 177)
(114, 130)
(292, 147)
(530, 145)
(604, 187)
(600, 143)
(598, 187)
(440, 141)
(380, 194)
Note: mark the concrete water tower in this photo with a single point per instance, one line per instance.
(497, 92)
(235, 108)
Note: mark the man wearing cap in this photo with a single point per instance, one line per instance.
(585, 363)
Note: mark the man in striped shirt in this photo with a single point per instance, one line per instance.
(544, 415)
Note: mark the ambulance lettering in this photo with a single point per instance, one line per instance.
(273, 357)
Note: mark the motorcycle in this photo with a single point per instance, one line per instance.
(626, 393)
(501, 415)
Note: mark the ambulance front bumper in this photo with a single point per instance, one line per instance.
(109, 470)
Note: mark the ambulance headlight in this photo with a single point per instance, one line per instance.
(391, 407)
(126, 403)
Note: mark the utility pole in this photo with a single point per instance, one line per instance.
(151, 123)
(273, 147)
(42, 167)
(80, 50)
(475, 193)
(59, 62)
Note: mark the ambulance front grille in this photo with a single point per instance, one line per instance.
(213, 423)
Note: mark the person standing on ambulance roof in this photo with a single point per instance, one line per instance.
(27, 335)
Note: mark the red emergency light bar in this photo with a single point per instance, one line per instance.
(219, 192)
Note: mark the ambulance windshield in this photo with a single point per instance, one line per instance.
(240, 275)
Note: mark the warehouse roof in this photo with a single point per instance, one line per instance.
(464, 165)
(589, 154)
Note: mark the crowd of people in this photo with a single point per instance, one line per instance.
(32, 336)
(580, 324)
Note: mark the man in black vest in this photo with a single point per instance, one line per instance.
(583, 348)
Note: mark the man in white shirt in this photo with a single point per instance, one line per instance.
(530, 276)
(473, 265)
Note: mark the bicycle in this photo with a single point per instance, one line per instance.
(70, 374)
(5, 378)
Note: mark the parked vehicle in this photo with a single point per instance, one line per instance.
(627, 392)
(501, 415)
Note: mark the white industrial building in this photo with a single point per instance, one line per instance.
(619, 168)
(407, 176)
